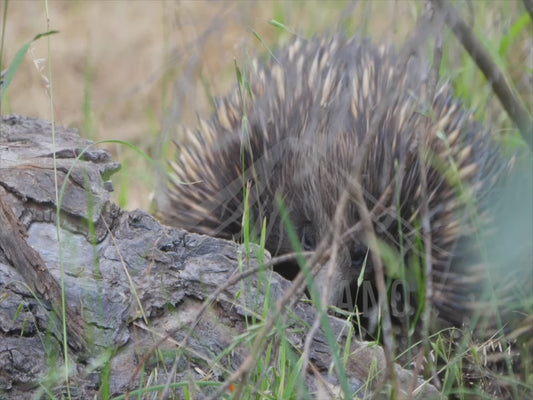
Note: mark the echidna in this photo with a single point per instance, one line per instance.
(291, 133)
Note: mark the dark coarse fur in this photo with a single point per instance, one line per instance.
(292, 137)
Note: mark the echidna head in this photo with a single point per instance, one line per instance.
(296, 186)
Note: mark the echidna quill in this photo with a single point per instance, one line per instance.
(292, 138)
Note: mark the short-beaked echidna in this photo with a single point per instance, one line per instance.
(291, 132)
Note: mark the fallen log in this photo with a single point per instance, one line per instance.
(138, 298)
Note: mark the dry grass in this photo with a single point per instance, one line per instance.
(128, 56)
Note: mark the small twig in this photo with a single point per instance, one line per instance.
(424, 201)
(332, 265)
(510, 100)
(248, 363)
(411, 47)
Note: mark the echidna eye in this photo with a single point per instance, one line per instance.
(358, 255)
(308, 239)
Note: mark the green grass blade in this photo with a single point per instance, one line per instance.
(15, 64)
(515, 30)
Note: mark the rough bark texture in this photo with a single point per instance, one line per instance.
(132, 286)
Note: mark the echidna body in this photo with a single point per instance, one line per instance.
(293, 137)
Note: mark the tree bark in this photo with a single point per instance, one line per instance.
(134, 289)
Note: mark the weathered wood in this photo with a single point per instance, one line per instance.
(32, 268)
(137, 287)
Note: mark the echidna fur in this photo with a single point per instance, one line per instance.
(291, 134)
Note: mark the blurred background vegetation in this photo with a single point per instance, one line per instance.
(130, 70)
